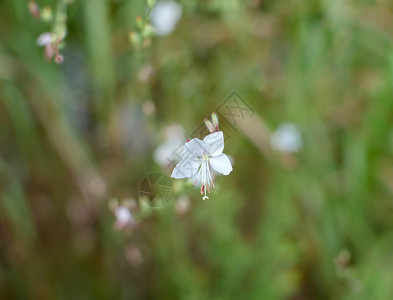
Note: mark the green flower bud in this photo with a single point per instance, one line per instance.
(46, 14)
(151, 3)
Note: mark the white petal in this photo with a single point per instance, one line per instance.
(196, 179)
(214, 143)
(123, 215)
(193, 148)
(165, 16)
(186, 168)
(287, 138)
(164, 153)
(44, 39)
(221, 164)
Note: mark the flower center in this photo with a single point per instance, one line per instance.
(206, 177)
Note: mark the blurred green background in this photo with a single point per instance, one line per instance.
(315, 223)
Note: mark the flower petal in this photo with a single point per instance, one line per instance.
(193, 148)
(196, 179)
(221, 164)
(186, 168)
(44, 39)
(214, 143)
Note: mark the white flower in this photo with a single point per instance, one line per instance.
(199, 157)
(123, 218)
(183, 205)
(44, 39)
(174, 135)
(287, 138)
(165, 16)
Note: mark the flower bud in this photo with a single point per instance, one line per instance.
(49, 52)
(139, 22)
(133, 254)
(34, 9)
(215, 120)
(209, 125)
(46, 14)
(59, 58)
(113, 204)
(135, 39)
(151, 3)
(183, 205)
(148, 31)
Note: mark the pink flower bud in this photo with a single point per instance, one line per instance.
(209, 125)
(49, 52)
(34, 9)
(215, 120)
(59, 58)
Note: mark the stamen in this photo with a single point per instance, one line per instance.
(210, 178)
(199, 172)
(206, 177)
(205, 197)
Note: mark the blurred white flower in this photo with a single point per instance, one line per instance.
(50, 43)
(174, 132)
(183, 205)
(124, 218)
(145, 73)
(174, 135)
(165, 16)
(199, 157)
(133, 254)
(34, 9)
(148, 108)
(44, 39)
(96, 186)
(287, 138)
